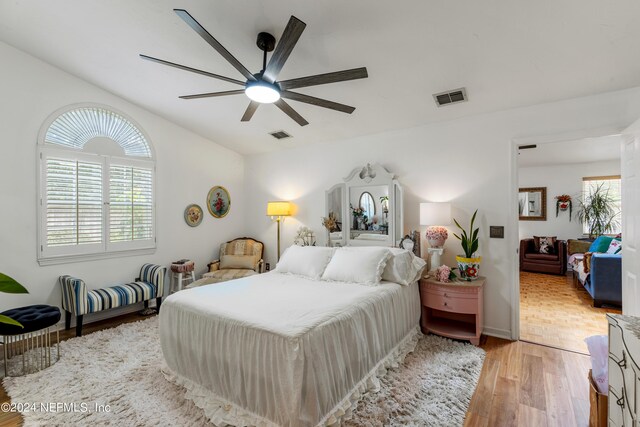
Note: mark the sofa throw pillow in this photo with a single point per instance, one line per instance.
(601, 244)
(545, 244)
(614, 247)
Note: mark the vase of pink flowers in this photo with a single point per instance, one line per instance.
(436, 236)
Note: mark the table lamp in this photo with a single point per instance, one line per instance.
(278, 211)
(436, 216)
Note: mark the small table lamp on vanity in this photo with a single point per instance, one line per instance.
(278, 211)
(436, 216)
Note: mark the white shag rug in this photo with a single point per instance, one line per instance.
(113, 377)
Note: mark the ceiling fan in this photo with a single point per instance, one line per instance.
(263, 87)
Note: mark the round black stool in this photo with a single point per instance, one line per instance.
(33, 340)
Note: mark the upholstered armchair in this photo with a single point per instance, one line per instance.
(238, 258)
(555, 263)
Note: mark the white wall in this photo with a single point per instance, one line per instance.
(187, 166)
(466, 161)
(560, 179)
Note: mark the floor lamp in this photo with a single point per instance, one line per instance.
(436, 216)
(278, 211)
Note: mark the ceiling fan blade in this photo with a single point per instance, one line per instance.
(323, 79)
(317, 101)
(253, 106)
(192, 70)
(287, 42)
(286, 108)
(212, 94)
(191, 21)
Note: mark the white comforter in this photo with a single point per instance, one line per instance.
(275, 349)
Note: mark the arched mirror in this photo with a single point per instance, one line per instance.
(368, 205)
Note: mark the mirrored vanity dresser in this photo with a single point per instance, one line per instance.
(624, 373)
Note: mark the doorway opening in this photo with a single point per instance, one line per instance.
(570, 272)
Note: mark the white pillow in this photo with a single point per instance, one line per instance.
(308, 261)
(357, 265)
(403, 267)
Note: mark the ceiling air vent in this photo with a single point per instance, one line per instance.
(279, 134)
(450, 97)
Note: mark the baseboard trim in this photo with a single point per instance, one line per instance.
(498, 333)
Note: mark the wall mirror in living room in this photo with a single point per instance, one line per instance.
(532, 204)
(569, 277)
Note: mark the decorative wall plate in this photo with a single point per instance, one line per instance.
(218, 201)
(193, 215)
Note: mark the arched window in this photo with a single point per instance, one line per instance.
(96, 186)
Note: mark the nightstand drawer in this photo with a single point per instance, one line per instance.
(449, 293)
(447, 303)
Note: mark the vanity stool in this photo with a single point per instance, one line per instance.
(33, 340)
(181, 272)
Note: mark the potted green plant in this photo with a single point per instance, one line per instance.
(10, 286)
(598, 211)
(469, 264)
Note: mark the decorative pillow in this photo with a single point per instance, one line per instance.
(537, 239)
(308, 261)
(247, 262)
(601, 244)
(545, 245)
(403, 267)
(614, 247)
(357, 265)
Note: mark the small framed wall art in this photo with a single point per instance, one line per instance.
(218, 202)
(193, 215)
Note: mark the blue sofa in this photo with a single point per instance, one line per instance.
(604, 282)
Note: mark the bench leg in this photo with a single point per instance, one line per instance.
(79, 326)
(67, 320)
(158, 303)
(146, 304)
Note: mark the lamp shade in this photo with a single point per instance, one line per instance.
(278, 208)
(435, 213)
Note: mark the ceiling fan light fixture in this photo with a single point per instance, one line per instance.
(262, 92)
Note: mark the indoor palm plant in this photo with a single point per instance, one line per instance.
(10, 286)
(598, 211)
(469, 264)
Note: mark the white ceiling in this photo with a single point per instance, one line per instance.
(507, 53)
(568, 152)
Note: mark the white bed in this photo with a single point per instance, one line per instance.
(279, 349)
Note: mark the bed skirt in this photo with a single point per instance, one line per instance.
(222, 412)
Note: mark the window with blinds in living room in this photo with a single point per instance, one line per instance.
(96, 195)
(611, 185)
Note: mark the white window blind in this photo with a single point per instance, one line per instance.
(130, 203)
(73, 202)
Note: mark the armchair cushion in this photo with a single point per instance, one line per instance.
(224, 275)
(247, 262)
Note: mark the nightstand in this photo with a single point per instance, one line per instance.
(453, 310)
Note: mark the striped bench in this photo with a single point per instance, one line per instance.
(77, 301)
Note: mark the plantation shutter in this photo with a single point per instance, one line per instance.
(130, 203)
(73, 202)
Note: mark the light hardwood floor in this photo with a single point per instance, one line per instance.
(557, 313)
(521, 384)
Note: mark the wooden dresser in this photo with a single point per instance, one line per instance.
(624, 373)
(452, 309)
